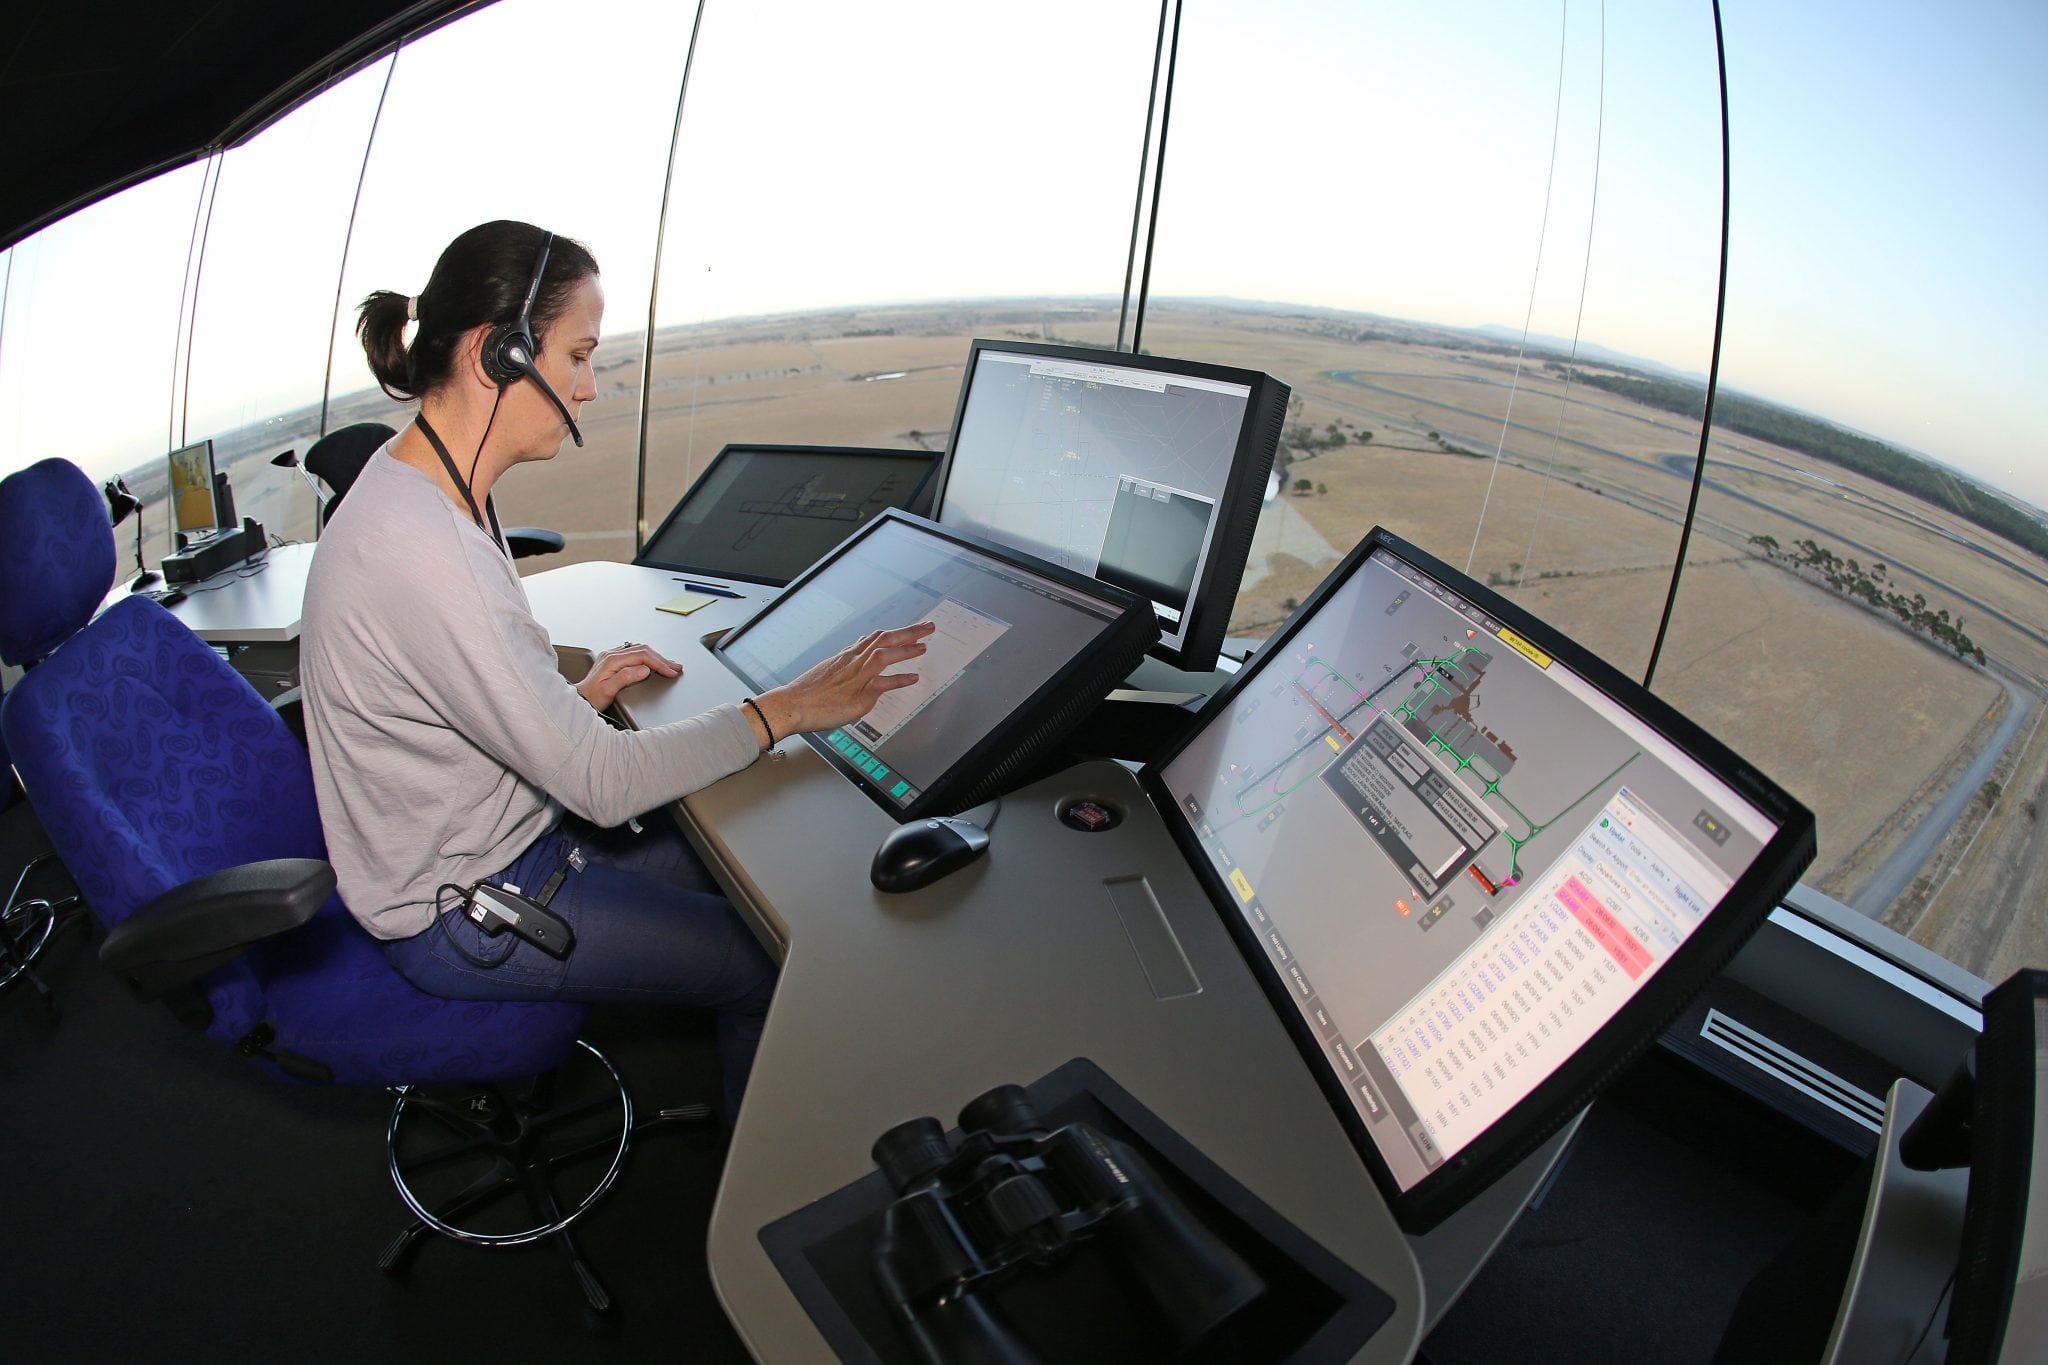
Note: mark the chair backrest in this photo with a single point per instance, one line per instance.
(7, 787)
(339, 456)
(151, 762)
(57, 557)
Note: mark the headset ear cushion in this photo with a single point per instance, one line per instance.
(500, 369)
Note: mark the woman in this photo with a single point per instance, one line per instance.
(448, 750)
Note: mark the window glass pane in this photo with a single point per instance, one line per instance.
(1432, 185)
(560, 117)
(851, 209)
(264, 299)
(88, 347)
(1875, 479)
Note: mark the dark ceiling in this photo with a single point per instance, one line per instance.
(98, 94)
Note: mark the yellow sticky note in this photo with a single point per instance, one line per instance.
(684, 603)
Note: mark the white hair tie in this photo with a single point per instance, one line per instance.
(412, 309)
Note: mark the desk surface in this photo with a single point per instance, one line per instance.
(890, 1007)
(237, 606)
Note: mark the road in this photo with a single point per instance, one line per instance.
(1890, 880)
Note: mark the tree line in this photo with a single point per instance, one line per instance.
(1874, 459)
(1873, 585)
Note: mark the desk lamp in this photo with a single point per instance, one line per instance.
(120, 502)
(289, 459)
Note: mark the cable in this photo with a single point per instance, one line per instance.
(478, 458)
(1699, 466)
(254, 565)
(1930, 1319)
(1578, 322)
(1529, 313)
(441, 918)
(348, 236)
(1144, 155)
(1158, 187)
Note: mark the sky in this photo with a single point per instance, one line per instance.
(1506, 163)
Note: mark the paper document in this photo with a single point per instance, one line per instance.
(962, 634)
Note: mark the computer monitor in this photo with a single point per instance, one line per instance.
(1474, 867)
(2001, 1293)
(1140, 471)
(765, 513)
(1023, 649)
(192, 489)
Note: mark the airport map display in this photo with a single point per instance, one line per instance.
(1459, 856)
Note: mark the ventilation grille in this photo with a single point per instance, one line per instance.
(1788, 1067)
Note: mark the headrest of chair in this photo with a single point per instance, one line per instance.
(336, 458)
(57, 557)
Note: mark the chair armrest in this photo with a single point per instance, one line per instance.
(193, 928)
(290, 706)
(527, 541)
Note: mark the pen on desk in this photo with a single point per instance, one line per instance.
(711, 588)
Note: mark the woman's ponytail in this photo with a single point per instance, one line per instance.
(381, 326)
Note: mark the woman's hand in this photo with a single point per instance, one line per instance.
(619, 668)
(845, 687)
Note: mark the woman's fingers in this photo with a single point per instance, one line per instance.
(889, 682)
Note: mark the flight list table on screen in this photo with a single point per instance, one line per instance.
(1459, 857)
(1553, 970)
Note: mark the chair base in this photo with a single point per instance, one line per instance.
(27, 925)
(492, 1141)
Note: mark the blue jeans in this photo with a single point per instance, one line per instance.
(650, 926)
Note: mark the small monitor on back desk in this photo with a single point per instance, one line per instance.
(1474, 868)
(765, 513)
(193, 486)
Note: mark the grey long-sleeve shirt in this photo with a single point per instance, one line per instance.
(444, 740)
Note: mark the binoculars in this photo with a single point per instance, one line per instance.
(1013, 1197)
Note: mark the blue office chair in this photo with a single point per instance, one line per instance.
(28, 922)
(185, 811)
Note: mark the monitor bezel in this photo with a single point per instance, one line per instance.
(921, 492)
(1554, 1101)
(1238, 505)
(2004, 1107)
(212, 490)
(1034, 725)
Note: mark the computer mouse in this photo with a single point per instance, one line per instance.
(921, 852)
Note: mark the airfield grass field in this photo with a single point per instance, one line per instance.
(1566, 497)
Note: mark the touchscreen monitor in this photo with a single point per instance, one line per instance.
(765, 513)
(1474, 867)
(1022, 651)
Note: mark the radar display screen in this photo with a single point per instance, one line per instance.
(1460, 853)
(765, 513)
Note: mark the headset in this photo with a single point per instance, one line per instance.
(509, 351)
(507, 358)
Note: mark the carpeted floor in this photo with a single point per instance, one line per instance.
(168, 1201)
